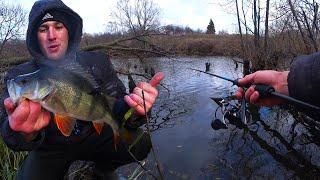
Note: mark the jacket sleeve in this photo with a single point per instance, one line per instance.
(304, 79)
(15, 140)
(113, 86)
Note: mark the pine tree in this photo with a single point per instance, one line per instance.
(210, 28)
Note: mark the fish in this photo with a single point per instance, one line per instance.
(68, 91)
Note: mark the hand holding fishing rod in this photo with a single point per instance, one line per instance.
(266, 88)
(274, 79)
(273, 91)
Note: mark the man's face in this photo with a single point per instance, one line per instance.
(53, 39)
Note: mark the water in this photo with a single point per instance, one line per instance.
(186, 145)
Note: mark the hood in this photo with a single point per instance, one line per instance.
(38, 10)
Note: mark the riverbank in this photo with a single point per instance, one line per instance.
(281, 48)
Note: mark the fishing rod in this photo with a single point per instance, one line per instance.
(268, 91)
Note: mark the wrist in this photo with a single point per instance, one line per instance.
(282, 82)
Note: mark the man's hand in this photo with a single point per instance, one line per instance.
(278, 80)
(27, 118)
(135, 99)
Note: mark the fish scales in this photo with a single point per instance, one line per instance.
(66, 93)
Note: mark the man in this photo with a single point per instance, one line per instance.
(53, 36)
(301, 82)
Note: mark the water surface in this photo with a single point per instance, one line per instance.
(186, 145)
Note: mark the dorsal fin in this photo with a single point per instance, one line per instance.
(79, 70)
(111, 100)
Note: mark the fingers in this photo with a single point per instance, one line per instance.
(28, 117)
(276, 79)
(130, 101)
(239, 93)
(150, 92)
(9, 105)
(140, 101)
(42, 120)
(136, 102)
(140, 108)
(252, 95)
(149, 95)
(35, 112)
(254, 98)
(248, 93)
(19, 115)
(248, 79)
(156, 79)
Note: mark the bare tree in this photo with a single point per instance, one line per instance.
(266, 30)
(12, 20)
(295, 15)
(136, 16)
(304, 14)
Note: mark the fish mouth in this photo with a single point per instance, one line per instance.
(13, 91)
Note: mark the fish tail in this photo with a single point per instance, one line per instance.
(115, 129)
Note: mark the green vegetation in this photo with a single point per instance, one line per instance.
(9, 162)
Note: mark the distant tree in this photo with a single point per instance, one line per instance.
(174, 29)
(210, 28)
(12, 20)
(136, 16)
(188, 30)
(199, 31)
(223, 32)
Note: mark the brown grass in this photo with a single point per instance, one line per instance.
(281, 46)
(199, 44)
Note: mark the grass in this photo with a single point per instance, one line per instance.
(9, 162)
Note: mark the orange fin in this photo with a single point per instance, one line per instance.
(98, 125)
(65, 124)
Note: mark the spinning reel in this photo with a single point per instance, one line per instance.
(233, 112)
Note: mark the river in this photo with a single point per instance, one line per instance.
(274, 147)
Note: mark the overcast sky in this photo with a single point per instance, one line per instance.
(193, 13)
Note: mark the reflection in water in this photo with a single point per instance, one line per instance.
(277, 144)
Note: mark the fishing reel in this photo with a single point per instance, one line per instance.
(232, 113)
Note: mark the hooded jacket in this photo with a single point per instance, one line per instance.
(97, 63)
(304, 78)
(38, 11)
(304, 81)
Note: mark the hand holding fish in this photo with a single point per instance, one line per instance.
(28, 117)
(135, 99)
(278, 80)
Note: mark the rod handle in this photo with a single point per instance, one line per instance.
(265, 91)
